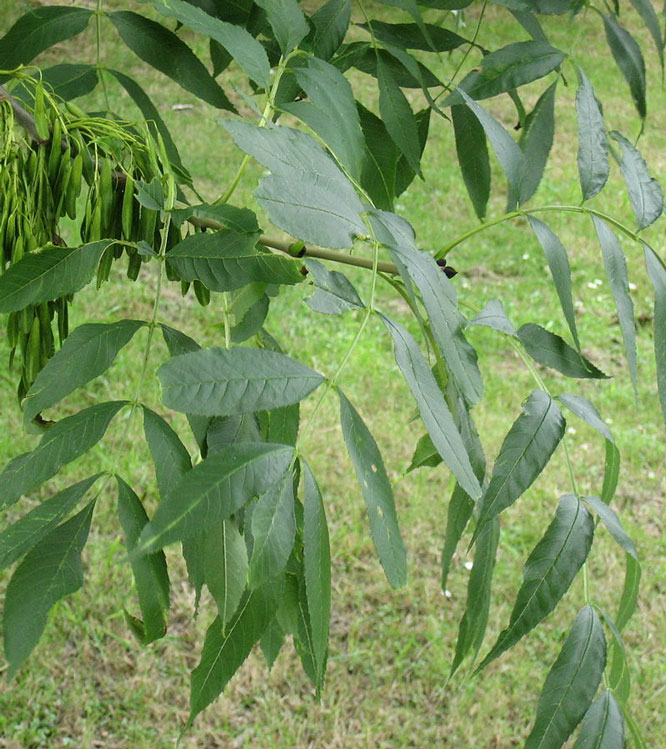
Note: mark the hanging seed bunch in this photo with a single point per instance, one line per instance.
(84, 169)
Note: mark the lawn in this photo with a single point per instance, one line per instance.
(90, 684)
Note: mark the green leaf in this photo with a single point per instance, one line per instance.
(558, 262)
(273, 532)
(19, 537)
(334, 293)
(618, 677)
(611, 472)
(493, 316)
(425, 454)
(524, 454)
(287, 21)
(378, 178)
(222, 382)
(377, 491)
(170, 457)
(214, 490)
(225, 649)
(330, 22)
(86, 353)
(432, 407)
(593, 167)
(552, 351)
(549, 571)
(150, 571)
(475, 619)
(603, 725)
(238, 42)
(645, 193)
(613, 525)
(657, 273)
(571, 683)
(164, 51)
(398, 116)
(458, 514)
(410, 36)
(272, 641)
(629, 59)
(587, 412)
(231, 217)
(317, 570)
(439, 298)
(62, 443)
(616, 272)
(46, 275)
(153, 119)
(363, 56)
(49, 572)
(38, 30)
(331, 112)
(226, 260)
(629, 597)
(647, 13)
(472, 150)
(536, 140)
(225, 564)
(507, 69)
(70, 81)
(508, 152)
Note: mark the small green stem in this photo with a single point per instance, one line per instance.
(100, 71)
(225, 312)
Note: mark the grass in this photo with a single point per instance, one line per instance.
(89, 684)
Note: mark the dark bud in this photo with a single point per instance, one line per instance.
(448, 270)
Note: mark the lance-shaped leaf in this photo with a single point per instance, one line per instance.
(330, 22)
(236, 40)
(507, 69)
(629, 59)
(657, 273)
(287, 21)
(525, 452)
(432, 407)
(647, 12)
(440, 299)
(377, 491)
(552, 351)
(49, 572)
(472, 151)
(475, 619)
(645, 193)
(536, 140)
(21, 536)
(226, 648)
(226, 260)
(317, 569)
(425, 454)
(38, 30)
(229, 216)
(610, 519)
(585, 410)
(69, 81)
(334, 293)
(616, 272)
(153, 119)
(272, 641)
(571, 683)
(629, 597)
(63, 442)
(603, 725)
(410, 36)
(493, 316)
(398, 116)
(222, 382)
(273, 531)
(49, 274)
(150, 571)
(558, 262)
(225, 565)
(549, 571)
(618, 675)
(214, 490)
(170, 457)
(164, 51)
(86, 353)
(593, 166)
(458, 514)
(508, 152)
(331, 112)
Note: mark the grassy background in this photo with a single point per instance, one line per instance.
(89, 684)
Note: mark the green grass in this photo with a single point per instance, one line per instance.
(89, 684)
